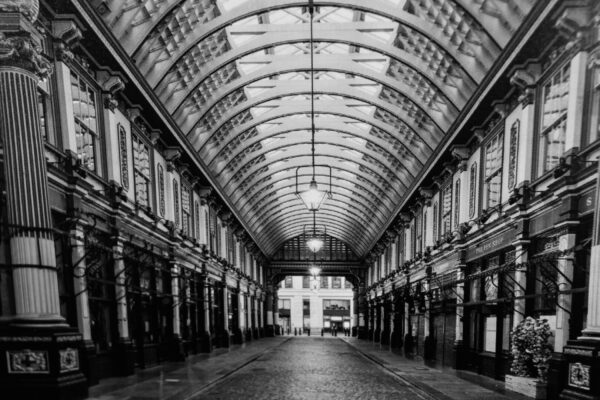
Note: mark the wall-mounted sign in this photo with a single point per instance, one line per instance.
(491, 245)
(586, 202)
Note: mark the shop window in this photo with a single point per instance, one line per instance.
(555, 98)
(186, 216)
(446, 209)
(141, 171)
(86, 122)
(489, 338)
(493, 171)
(343, 305)
(100, 286)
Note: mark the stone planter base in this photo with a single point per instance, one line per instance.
(529, 387)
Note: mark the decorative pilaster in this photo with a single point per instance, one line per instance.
(270, 329)
(205, 334)
(176, 352)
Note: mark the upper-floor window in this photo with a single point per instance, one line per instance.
(325, 282)
(176, 202)
(86, 122)
(336, 282)
(186, 213)
(284, 304)
(141, 171)
(555, 98)
(456, 203)
(418, 231)
(306, 282)
(493, 171)
(45, 111)
(446, 208)
(435, 222)
(197, 224)
(472, 189)
(593, 131)
(288, 282)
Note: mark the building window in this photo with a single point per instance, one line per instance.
(124, 161)
(555, 98)
(456, 203)
(197, 222)
(186, 211)
(46, 112)
(513, 155)
(306, 282)
(86, 122)
(324, 282)
(472, 189)
(418, 232)
(593, 132)
(336, 282)
(176, 202)
(288, 282)
(284, 304)
(435, 222)
(446, 209)
(493, 171)
(161, 189)
(347, 284)
(141, 171)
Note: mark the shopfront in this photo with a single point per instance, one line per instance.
(336, 315)
(489, 304)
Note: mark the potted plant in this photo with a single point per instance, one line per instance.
(531, 354)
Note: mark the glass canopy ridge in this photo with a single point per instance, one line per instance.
(390, 78)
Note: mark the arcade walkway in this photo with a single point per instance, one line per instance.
(294, 368)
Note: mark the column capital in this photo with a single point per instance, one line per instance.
(22, 50)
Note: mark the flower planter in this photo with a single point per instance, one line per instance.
(526, 386)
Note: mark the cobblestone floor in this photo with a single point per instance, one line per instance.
(313, 368)
(290, 368)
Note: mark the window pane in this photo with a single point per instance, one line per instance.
(555, 145)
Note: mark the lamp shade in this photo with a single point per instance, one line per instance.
(314, 244)
(313, 197)
(315, 271)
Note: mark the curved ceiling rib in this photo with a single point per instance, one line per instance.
(390, 78)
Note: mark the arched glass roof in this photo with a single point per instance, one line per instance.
(391, 77)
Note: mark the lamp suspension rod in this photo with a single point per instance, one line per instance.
(312, 86)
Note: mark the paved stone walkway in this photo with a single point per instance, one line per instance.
(443, 385)
(303, 368)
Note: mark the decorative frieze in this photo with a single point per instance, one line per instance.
(28, 361)
(69, 359)
(513, 154)
(123, 159)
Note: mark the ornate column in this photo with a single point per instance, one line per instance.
(205, 334)
(37, 347)
(355, 315)
(176, 352)
(566, 242)
(224, 342)
(459, 327)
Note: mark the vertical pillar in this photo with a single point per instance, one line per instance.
(241, 316)
(460, 312)
(79, 282)
(520, 284)
(225, 322)
(125, 351)
(255, 318)
(176, 352)
(38, 349)
(390, 316)
(564, 281)
(581, 363)
(205, 333)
